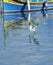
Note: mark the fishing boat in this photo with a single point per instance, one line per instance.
(14, 6)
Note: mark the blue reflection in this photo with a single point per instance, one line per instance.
(15, 16)
(44, 12)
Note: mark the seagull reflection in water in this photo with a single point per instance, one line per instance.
(32, 32)
(32, 35)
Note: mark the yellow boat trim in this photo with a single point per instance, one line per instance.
(14, 2)
(10, 1)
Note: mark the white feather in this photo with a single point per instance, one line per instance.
(32, 28)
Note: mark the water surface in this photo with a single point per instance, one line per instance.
(20, 46)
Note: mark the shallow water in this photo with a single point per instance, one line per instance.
(20, 46)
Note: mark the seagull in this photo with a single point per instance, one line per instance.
(32, 28)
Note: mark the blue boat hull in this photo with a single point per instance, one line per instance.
(15, 8)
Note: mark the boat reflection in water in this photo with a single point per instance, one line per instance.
(24, 23)
(14, 27)
(45, 16)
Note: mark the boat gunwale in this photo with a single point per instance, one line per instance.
(32, 3)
